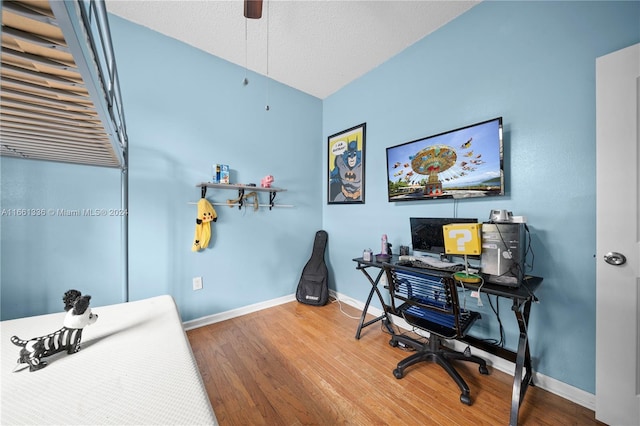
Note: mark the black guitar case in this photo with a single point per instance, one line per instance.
(313, 287)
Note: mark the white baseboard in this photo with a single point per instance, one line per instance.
(547, 383)
(222, 316)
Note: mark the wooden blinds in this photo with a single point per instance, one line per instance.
(51, 107)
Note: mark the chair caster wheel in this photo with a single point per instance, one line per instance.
(483, 369)
(465, 399)
(398, 373)
(393, 343)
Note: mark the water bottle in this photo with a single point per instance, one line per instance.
(384, 244)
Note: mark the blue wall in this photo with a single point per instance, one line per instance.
(185, 111)
(534, 64)
(48, 245)
(531, 62)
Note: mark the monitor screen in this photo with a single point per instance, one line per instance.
(427, 235)
(462, 163)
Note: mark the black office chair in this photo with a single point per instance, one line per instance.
(430, 303)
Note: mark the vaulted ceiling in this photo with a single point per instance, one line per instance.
(316, 46)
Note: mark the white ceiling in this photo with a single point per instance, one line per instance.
(316, 46)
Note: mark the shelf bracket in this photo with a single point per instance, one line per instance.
(203, 191)
(240, 198)
(272, 197)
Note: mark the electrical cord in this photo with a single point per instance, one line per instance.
(383, 327)
(496, 311)
(342, 310)
(396, 332)
(529, 249)
(464, 295)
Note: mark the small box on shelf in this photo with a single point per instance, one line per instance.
(220, 173)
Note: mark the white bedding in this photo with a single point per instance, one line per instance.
(135, 366)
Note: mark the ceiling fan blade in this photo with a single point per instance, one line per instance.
(253, 9)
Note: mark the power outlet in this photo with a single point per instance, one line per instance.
(197, 283)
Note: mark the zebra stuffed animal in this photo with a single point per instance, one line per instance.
(67, 338)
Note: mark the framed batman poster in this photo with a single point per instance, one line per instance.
(346, 166)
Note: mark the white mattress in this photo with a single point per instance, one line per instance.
(135, 366)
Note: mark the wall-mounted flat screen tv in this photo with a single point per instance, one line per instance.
(461, 163)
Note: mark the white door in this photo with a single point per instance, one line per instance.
(618, 232)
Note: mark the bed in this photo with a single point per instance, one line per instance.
(135, 366)
(61, 102)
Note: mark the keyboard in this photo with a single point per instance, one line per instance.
(428, 262)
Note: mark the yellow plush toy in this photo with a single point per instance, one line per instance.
(206, 215)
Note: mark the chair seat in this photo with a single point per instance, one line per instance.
(442, 324)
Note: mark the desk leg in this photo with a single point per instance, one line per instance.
(374, 289)
(523, 361)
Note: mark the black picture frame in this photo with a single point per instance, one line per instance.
(346, 166)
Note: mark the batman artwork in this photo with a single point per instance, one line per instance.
(346, 175)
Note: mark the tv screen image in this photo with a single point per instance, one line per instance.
(461, 163)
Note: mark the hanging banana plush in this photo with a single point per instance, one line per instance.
(206, 215)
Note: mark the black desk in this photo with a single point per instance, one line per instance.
(386, 321)
(521, 298)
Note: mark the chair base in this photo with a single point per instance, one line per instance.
(434, 351)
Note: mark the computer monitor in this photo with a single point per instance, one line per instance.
(427, 237)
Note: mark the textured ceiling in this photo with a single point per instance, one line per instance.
(316, 46)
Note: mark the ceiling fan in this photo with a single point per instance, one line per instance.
(253, 9)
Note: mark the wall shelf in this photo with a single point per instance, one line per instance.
(241, 192)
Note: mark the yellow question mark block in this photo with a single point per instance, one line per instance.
(462, 238)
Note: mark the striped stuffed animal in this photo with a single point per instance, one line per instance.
(66, 339)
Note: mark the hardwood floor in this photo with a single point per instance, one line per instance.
(295, 364)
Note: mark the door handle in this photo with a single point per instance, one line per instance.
(615, 258)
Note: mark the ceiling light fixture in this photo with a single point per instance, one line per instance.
(245, 81)
(267, 96)
(253, 9)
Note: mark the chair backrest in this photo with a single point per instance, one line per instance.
(429, 302)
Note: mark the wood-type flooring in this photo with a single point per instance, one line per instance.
(295, 364)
